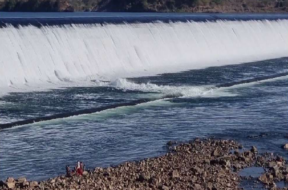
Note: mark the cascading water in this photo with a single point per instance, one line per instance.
(49, 56)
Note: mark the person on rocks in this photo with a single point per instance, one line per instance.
(79, 170)
(74, 170)
(68, 171)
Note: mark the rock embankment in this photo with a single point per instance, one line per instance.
(200, 164)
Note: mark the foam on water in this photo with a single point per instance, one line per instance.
(180, 91)
(34, 58)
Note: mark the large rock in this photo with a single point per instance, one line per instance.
(10, 182)
(10, 179)
(266, 178)
(254, 149)
(21, 180)
(33, 184)
(175, 174)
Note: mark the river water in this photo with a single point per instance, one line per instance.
(246, 102)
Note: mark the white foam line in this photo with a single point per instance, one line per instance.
(255, 83)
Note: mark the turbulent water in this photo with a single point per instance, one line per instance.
(116, 108)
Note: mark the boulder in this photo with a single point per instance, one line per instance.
(10, 182)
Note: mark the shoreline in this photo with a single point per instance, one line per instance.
(198, 164)
(200, 6)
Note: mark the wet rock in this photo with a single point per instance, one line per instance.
(171, 143)
(264, 179)
(254, 149)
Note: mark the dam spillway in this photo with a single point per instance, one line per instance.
(47, 55)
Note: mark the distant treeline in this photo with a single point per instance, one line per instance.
(146, 5)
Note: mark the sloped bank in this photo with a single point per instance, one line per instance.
(199, 164)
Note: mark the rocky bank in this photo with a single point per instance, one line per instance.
(199, 6)
(200, 164)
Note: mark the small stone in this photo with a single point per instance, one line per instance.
(216, 152)
(197, 187)
(164, 187)
(175, 174)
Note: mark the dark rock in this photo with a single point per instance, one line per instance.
(286, 178)
(254, 149)
(143, 177)
(171, 143)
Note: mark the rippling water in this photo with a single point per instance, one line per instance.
(199, 109)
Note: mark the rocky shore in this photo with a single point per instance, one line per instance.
(199, 164)
(199, 6)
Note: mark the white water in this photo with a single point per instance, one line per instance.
(48, 57)
(180, 91)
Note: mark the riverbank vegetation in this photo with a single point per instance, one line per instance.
(231, 6)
